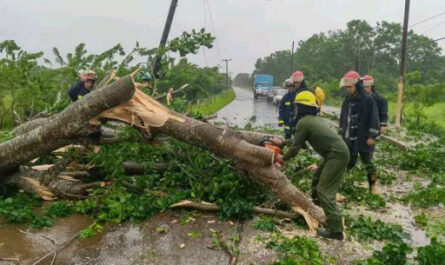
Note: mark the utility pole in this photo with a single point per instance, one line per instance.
(402, 66)
(167, 26)
(227, 71)
(292, 58)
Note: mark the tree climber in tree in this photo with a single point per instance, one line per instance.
(359, 125)
(326, 142)
(380, 101)
(286, 109)
(83, 86)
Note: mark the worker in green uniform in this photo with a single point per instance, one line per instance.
(326, 142)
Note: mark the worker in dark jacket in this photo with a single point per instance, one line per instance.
(83, 86)
(380, 101)
(328, 144)
(359, 124)
(286, 109)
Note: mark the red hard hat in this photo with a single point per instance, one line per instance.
(352, 74)
(368, 80)
(350, 79)
(297, 76)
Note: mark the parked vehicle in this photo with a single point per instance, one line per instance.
(272, 92)
(279, 95)
(262, 85)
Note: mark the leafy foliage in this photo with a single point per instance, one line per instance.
(364, 229)
(425, 157)
(91, 230)
(431, 254)
(265, 223)
(356, 193)
(296, 251)
(433, 194)
(394, 254)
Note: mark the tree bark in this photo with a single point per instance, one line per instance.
(133, 168)
(49, 185)
(70, 124)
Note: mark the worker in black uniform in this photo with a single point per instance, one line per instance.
(359, 125)
(286, 109)
(380, 101)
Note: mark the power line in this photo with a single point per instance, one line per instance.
(205, 27)
(443, 38)
(213, 28)
(427, 19)
(434, 27)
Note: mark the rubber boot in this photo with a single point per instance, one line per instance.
(372, 180)
(328, 234)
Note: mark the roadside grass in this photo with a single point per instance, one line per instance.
(215, 103)
(435, 113)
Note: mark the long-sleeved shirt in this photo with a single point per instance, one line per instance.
(287, 108)
(323, 139)
(78, 91)
(382, 106)
(359, 120)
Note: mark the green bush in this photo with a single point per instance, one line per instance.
(431, 254)
(391, 254)
(296, 251)
(364, 229)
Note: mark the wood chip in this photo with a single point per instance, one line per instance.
(42, 167)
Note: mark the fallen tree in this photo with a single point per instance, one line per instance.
(70, 125)
(121, 101)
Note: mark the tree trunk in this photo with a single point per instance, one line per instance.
(256, 160)
(67, 126)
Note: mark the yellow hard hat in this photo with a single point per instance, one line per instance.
(306, 98)
(319, 95)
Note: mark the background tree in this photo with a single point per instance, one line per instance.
(31, 83)
(242, 80)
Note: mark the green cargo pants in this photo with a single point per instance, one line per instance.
(325, 185)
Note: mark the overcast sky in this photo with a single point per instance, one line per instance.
(245, 29)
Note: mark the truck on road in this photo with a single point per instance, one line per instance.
(262, 86)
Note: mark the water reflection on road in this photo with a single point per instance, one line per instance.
(244, 107)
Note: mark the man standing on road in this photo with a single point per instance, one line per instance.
(380, 101)
(300, 85)
(359, 125)
(326, 142)
(299, 82)
(286, 109)
(83, 86)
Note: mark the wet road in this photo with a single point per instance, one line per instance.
(245, 108)
(259, 111)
